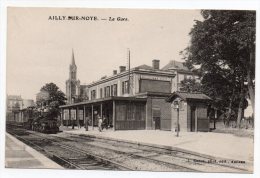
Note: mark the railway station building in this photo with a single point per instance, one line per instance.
(127, 100)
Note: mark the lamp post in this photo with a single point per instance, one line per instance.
(177, 107)
(178, 124)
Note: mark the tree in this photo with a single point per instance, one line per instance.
(55, 98)
(223, 44)
(190, 85)
(55, 94)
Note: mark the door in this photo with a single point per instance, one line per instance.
(157, 123)
(157, 118)
(193, 119)
(202, 119)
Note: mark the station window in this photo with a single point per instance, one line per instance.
(107, 91)
(125, 87)
(93, 94)
(112, 90)
(101, 92)
(115, 89)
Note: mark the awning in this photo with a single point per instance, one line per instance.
(101, 100)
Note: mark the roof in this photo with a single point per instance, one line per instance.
(144, 66)
(101, 100)
(139, 70)
(14, 97)
(156, 94)
(175, 65)
(188, 96)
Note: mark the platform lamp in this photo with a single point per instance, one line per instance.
(176, 105)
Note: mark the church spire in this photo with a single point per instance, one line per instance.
(73, 67)
(73, 59)
(72, 84)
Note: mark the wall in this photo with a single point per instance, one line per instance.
(130, 115)
(201, 114)
(182, 117)
(117, 81)
(165, 109)
(149, 121)
(180, 77)
(154, 86)
(188, 117)
(203, 120)
(27, 103)
(134, 82)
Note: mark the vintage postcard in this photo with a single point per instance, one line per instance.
(158, 90)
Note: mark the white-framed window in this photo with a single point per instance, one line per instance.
(125, 87)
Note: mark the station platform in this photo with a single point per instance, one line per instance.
(218, 145)
(19, 155)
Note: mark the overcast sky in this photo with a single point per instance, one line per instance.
(39, 50)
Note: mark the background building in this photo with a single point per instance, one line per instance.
(15, 104)
(182, 72)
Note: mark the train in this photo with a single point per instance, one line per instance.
(42, 122)
(45, 125)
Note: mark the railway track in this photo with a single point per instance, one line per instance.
(65, 155)
(179, 158)
(129, 156)
(212, 163)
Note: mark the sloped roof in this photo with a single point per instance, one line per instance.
(175, 65)
(14, 97)
(188, 96)
(144, 66)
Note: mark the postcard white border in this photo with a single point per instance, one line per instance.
(141, 4)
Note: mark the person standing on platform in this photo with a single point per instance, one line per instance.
(104, 123)
(99, 123)
(86, 123)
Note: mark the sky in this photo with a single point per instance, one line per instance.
(39, 49)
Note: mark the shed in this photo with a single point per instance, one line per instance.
(193, 108)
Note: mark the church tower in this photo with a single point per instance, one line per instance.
(72, 84)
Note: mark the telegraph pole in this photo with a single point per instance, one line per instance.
(128, 56)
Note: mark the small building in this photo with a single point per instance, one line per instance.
(192, 110)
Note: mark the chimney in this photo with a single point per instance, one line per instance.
(122, 68)
(156, 64)
(114, 72)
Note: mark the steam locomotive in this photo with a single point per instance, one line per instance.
(43, 123)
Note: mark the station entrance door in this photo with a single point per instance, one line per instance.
(157, 118)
